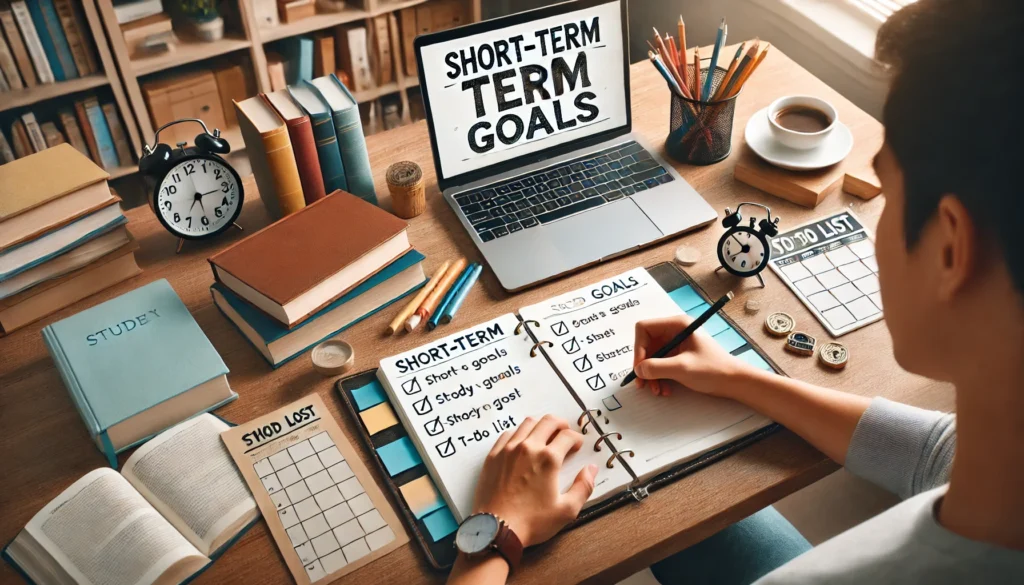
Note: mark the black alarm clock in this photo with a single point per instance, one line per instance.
(196, 194)
(744, 250)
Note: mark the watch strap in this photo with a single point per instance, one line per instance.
(508, 546)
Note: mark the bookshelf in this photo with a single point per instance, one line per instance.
(33, 95)
(188, 51)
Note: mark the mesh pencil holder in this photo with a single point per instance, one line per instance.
(700, 133)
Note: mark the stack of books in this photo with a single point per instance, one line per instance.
(311, 125)
(313, 274)
(62, 235)
(44, 41)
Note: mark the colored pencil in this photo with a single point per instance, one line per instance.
(673, 51)
(432, 300)
(750, 71)
(664, 50)
(719, 43)
(731, 71)
(410, 308)
(696, 73)
(684, 334)
(672, 85)
(448, 296)
(734, 83)
(453, 307)
(682, 46)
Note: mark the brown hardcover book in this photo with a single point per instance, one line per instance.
(78, 37)
(275, 69)
(232, 87)
(382, 40)
(409, 31)
(323, 54)
(300, 131)
(18, 49)
(8, 66)
(53, 295)
(51, 134)
(124, 152)
(294, 267)
(90, 138)
(72, 132)
(273, 159)
(19, 136)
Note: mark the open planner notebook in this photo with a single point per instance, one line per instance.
(565, 356)
(178, 503)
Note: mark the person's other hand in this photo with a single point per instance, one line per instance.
(698, 363)
(519, 481)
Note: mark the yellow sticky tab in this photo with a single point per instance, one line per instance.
(422, 496)
(378, 418)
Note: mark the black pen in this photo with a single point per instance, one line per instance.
(671, 345)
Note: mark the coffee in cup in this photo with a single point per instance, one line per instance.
(801, 122)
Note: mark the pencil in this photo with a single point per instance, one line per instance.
(432, 300)
(448, 296)
(719, 43)
(750, 71)
(682, 46)
(672, 85)
(418, 299)
(696, 73)
(684, 334)
(453, 307)
(673, 51)
(664, 50)
(734, 83)
(731, 71)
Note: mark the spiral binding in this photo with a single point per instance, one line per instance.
(533, 350)
(619, 454)
(521, 324)
(597, 443)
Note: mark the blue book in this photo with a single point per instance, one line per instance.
(278, 344)
(60, 41)
(49, 49)
(322, 123)
(100, 129)
(298, 56)
(349, 130)
(182, 482)
(136, 365)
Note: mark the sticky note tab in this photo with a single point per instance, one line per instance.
(730, 340)
(753, 358)
(399, 456)
(698, 310)
(378, 418)
(686, 297)
(440, 524)
(715, 325)
(370, 395)
(421, 496)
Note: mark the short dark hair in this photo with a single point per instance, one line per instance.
(954, 116)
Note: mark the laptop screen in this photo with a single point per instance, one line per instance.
(527, 87)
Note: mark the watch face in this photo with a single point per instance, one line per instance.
(742, 251)
(198, 197)
(476, 533)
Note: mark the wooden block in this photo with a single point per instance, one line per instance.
(296, 10)
(806, 188)
(863, 184)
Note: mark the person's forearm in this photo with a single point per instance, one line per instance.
(489, 570)
(824, 418)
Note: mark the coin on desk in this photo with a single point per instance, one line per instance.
(333, 357)
(687, 255)
(779, 324)
(834, 355)
(800, 343)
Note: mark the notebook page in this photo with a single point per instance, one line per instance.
(456, 395)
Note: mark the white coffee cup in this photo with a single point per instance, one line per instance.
(796, 139)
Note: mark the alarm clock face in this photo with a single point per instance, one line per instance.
(742, 251)
(199, 196)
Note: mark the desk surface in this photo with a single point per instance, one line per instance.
(45, 446)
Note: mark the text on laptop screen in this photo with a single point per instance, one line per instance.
(505, 93)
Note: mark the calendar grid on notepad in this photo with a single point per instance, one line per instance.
(325, 510)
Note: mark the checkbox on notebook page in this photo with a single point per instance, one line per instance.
(571, 346)
(422, 406)
(434, 427)
(596, 382)
(582, 364)
(559, 328)
(446, 449)
(411, 387)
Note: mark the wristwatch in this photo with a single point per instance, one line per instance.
(482, 533)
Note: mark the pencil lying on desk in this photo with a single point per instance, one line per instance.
(684, 334)
(418, 299)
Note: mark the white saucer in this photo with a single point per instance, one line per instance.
(835, 148)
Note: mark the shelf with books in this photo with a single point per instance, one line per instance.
(311, 24)
(188, 51)
(32, 95)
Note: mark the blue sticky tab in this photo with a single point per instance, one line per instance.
(753, 358)
(399, 456)
(715, 325)
(370, 395)
(698, 310)
(440, 524)
(730, 340)
(686, 297)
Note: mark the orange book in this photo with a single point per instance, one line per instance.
(273, 160)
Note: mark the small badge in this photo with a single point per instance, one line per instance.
(800, 343)
(834, 355)
(779, 324)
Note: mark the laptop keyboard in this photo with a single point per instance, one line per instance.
(568, 188)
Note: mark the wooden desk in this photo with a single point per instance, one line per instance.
(45, 446)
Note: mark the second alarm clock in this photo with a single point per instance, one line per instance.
(196, 193)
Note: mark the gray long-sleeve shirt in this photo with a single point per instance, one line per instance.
(908, 451)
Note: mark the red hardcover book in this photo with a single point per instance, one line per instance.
(300, 132)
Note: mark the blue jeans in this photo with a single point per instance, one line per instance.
(738, 555)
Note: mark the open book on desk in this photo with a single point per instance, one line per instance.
(565, 356)
(178, 503)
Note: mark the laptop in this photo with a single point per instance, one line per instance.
(529, 119)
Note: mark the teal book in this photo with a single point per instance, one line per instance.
(322, 123)
(298, 54)
(136, 365)
(100, 129)
(177, 505)
(278, 344)
(49, 49)
(55, 31)
(349, 129)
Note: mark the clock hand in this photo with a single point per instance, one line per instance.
(208, 192)
(737, 239)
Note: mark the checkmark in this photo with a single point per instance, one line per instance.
(446, 449)
(434, 427)
(596, 382)
(422, 406)
(571, 346)
(582, 364)
(411, 387)
(611, 403)
(559, 328)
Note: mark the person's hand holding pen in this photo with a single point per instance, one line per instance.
(698, 363)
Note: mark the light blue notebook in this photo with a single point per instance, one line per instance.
(141, 352)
